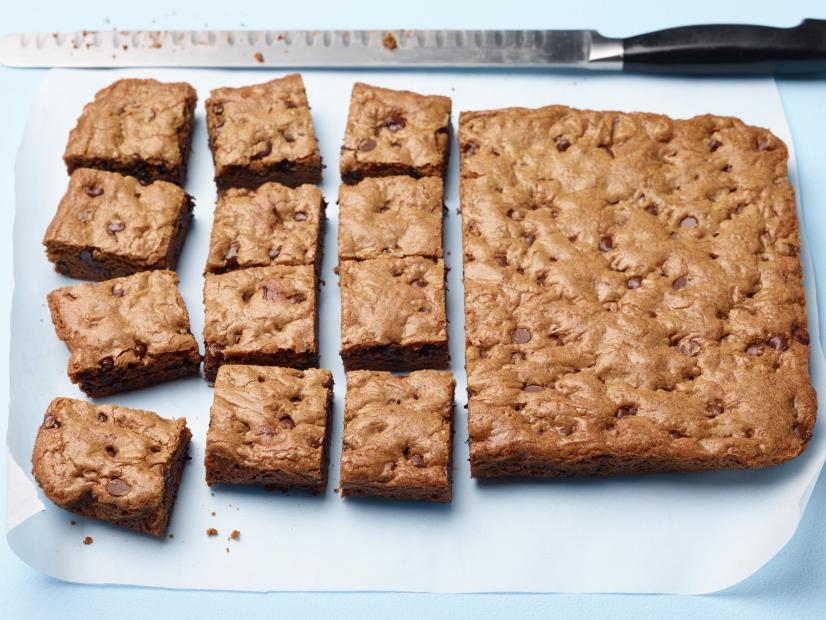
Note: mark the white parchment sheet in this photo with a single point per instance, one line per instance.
(665, 533)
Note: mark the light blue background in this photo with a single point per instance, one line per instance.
(792, 585)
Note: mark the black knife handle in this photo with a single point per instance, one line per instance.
(729, 49)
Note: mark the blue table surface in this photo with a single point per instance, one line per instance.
(791, 585)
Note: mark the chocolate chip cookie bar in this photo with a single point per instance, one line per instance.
(111, 463)
(398, 435)
(393, 314)
(109, 225)
(395, 132)
(261, 315)
(142, 128)
(633, 294)
(263, 133)
(391, 216)
(125, 333)
(270, 426)
(271, 225)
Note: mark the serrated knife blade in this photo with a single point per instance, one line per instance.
(328, 48)
(715, 48)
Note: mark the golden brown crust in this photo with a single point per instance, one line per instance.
(391, 216)
(109, 225)
(263, 133)
(112, 463)
(393, 132)
(139, 127)
(125, 333)
(271, 225)
(633, 294)
(269, 425)
(261, 315)
(392, 301)
(398, 435)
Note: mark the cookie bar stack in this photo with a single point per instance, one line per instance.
(397, 430)
(122, 223)
(262, 274)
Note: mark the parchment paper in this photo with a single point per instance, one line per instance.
(665, 533)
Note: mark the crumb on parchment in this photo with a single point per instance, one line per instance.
(212, 532)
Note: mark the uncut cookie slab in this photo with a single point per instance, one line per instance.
(395, 132)
(270, 426)
(391, 216)
(633, 294)
(109, 225)
(393, 314)
(261, 315)
(125, 333)
(142, 128)
(271, 225)
(111, 463)
(398, 435)
(263, 133)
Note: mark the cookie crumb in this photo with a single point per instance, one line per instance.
(172, 535)
(213, 514)
(212, 532)
(88, 540)
(227, 549)
(389, 41)
(235, 535)
(259, 57)
(72, 522)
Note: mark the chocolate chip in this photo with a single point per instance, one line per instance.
(231, 257)
(62, 268)
(689, 221)
(714, 145)
(605, 244)
(417, 460)
(517, 356)
(107, 363)
(755, 349)
(529, 239)
(651, 210)
(679, 283)
(288, 136)
(626, 410)
(115, 227)
(50, 422)
(297, 298)
(418, 283)
(246, 296)
(531, 387)
(288, 423)
(800, 432)
(634, 282)
(470, 147)
(140, 348)
(263, 152)
(394, 122)
(117, 487)
(562, 144)
(300, 216)
(117, 290)
(237, 338)
(689, 348)
(501, 260)
(367, 145)
(102, 417)
(801, 335)
(218, 108)
(94, 191)
(273, 253)
(715, 409)
(778, 343)
(520, 335)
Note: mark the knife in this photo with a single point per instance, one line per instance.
(705, 49)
